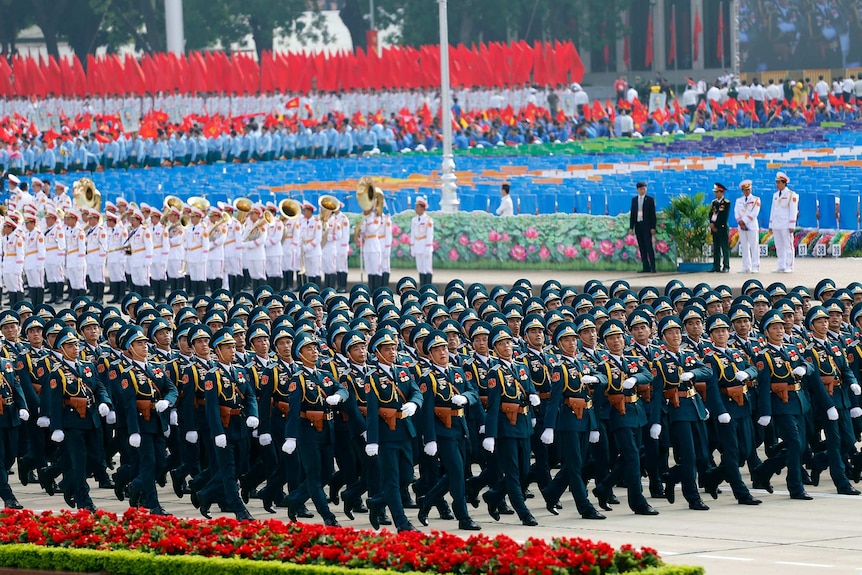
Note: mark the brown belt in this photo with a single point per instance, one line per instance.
(546, 395)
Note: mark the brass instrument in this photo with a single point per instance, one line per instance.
(218, 227)
(369, 196)
(255, 231)
(289, 209)
(200, 203)
(242, 206)
(123, 248)
(173, 202)
(86, 195)
(328, 205)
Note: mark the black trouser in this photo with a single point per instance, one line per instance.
(627, 467)
(513, 456)
(76, 445)
(644, 237)
(720, 249)
(570, 475)
(315, 458)
(8, 446)
(151, 462)
(222, 483)
(453, 454)
(394, 460)
(736, 443)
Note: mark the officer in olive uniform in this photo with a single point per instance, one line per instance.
(393, 399)
(447, 393)
(76, 401)
(719, 210)
(147, 395)
(313, 393)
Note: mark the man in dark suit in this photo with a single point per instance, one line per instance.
(642, 225)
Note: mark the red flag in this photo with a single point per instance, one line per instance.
(292, 104)
(598, 110)
(698, 28)
(671, 55)
(719, 44)
(648, 49)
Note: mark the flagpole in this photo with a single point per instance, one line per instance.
(449, 201)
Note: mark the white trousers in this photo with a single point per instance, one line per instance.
(784, 249)
(55, 273)
(329, 259)
(215, 269)
(233, 263)
(76, 278)
(159, 270)
(174, 267)
(372, 260)
(423, 263)
(13, 280)
(257, 269)
(140, 273)
(197, 270)
(313, 261)
(96, 272)
(35, 277)
(273, 266)
(341, 260)
(749, 249)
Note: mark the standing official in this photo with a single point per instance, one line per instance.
(97, 240)
(13, 261)
(55, 255)
(141, 242)
(176, 249)
(233, 253)
(782, 222)
(34, 257)
(117, 240)
(719, 211)
(215, 258)
(422, 241)
(745, 213)
(642, 222)
(369, 236)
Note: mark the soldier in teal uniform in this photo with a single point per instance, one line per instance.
(673, 387)
(77, 399)
(539, 363)
(393, 399)
(312, 394)
(147, 395)
(13, 411)
(620, 374)
(570, 421)
(719, 210)
(731, 406)
(446, 394)
(511, 397)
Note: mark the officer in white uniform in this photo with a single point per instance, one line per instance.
(55, 255)
(61, 199)
(13, 261)
(215, 258)
(290, 258)
(141, 242)
(370, 235)
(782, 222)
(254, 246)
(233, 252)
(76, 255)
(97, 251)
(117, 246)
(310, 237)
(745, 211)
(161, 249)
(343, 251)
(274, 233)
(422, 241)
(176, 249)
(386, 250)
(329, 249)
(34, 256)
(197, 249)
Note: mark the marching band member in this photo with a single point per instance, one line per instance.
(311, 235)
(55, 255)
(97, 241)
(215, 258)
(117, 247)
(386, 250)
(290, 249)
(329, 250)
(343, 251)
(161, 250)
(61, 200)
(274, 233)
(176, 248)
(13, 261)
(233, 252)
(369, 236)
(141, 242)
(197, 248)
(254, 246)
(34, 257)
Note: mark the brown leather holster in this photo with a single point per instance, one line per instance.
(283, 407)
(781, 390)
(79, 404)
(829, 382)
(672, 394)
(511, 411)
(736, 393)
(577, 405)
(145, 408)
(226, 413)
(315, 417)
(645, 391)
(700, 387)
(389, 415)
(618, 402)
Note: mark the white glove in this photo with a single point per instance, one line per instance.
(481, 429)
(173, 418)
(535, 400)
(707, 414)
(265, 439)
(289, 445)
(629, 383)
(832, 414)
(191, 436)
(488, 444)
(364, 435)
(589, 379)
(547, 436)
(741, 376)
(686, 376)
(24, 415)
(43, 422)
(594, 436)
(856, 388)
(459, 400)
(431, 448)
(764, 420)
(221, 440)
(855, 412)
(724, 418)
(409, 409)
(252, 422)
(162, 405)
(135, 440)
(334, 399)
(800, 371)
(372, 449)
(254, 433)
(58, 436)
(111, 418)
(104, 410)
(655, 430)
(167, 432)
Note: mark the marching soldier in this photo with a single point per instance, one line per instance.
(386, 250)
(34, 257)
(13, 411)
(422, 241)
(719, 211)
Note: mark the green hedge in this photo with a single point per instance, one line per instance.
(27, 556)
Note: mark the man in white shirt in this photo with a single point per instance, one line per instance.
(745, 213)
(506, 207)
(782, 222)
(821, 88)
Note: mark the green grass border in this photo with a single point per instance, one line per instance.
(121, 562)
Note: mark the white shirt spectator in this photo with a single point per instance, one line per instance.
(506, 207)
(758, 93)
(631, 95)
(822, 89)
(743, 93)
(713, 94)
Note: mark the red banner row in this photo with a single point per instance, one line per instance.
(486, 65)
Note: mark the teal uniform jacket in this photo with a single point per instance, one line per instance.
(725, 364)
(78, 381)
(594, 359)
(192, 412)
(25, 369)
(11, 395)
(830, 362)
(308, 391)
(775, 365)
(390, 392)
(355, 408)
(228, 387)
(272, 419)
(476, 369)
(509, 384)
(262, 378)
(437, 388)
(565, 384)
(669, 370)
(540, 364)
(615, 372)
(145, 384)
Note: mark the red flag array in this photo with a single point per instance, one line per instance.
(486, 65)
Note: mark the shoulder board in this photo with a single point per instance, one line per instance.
(125, 368)
(213, 370)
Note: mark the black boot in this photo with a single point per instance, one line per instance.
(40, 296)
(31, 293)
(384, 279)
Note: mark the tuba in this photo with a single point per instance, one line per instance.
(243, 207)
(369, 196)
(328, 205)
(289, 209)
(86, 195)
(200, 203)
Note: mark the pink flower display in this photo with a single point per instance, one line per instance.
(396, 229)
(593, 256)
(494, 236)
(506, 237)
(436, 245)
(479, 248)
(544, 253)
(464, 240)
(531, 233)
(453, 255)
(631, 240)
(395, 242)
(531, 249)
(404, 239)
(662, 247)
(586, 243)
(570, 252)
(518, 253)
(606, 247)
(618, 244)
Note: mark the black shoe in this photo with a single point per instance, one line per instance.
(802, 496)
(194, 497)
(408, 502)
(106, 483)
(303, 513)
(360, 507)
(69, 499)
(445, 512)
(244, 515)
(504, 508)
(603, 500)
(749, 501)
(374, 517)
(13, 504)
(25, 471)
(383, 519)
(407, 527)
(333, 494)
(760, 478)
(331, 522)
(291, 511)
(529, 520)
(468, 525)
(268, 505)
(245, 494)
(159, 510)
(656, 492)
(424, 509)
(646, 510)
(91, 508)
(177, 483)
(848, 490)
(204, 505)
(698, 505)
(528, 494)
(592, 514)
(119, 491)
(493, 509)
(551, 506)
(612, 499)
(134, 496)
(348, 509)
(669, 489)
(161, 480)
(46, 482)
(472, 492)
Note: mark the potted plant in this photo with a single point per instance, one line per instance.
(686, 221)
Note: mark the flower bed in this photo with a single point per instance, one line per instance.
(274, 542)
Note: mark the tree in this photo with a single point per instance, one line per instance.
(261, 19)
(82, 25)
(15, 15)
